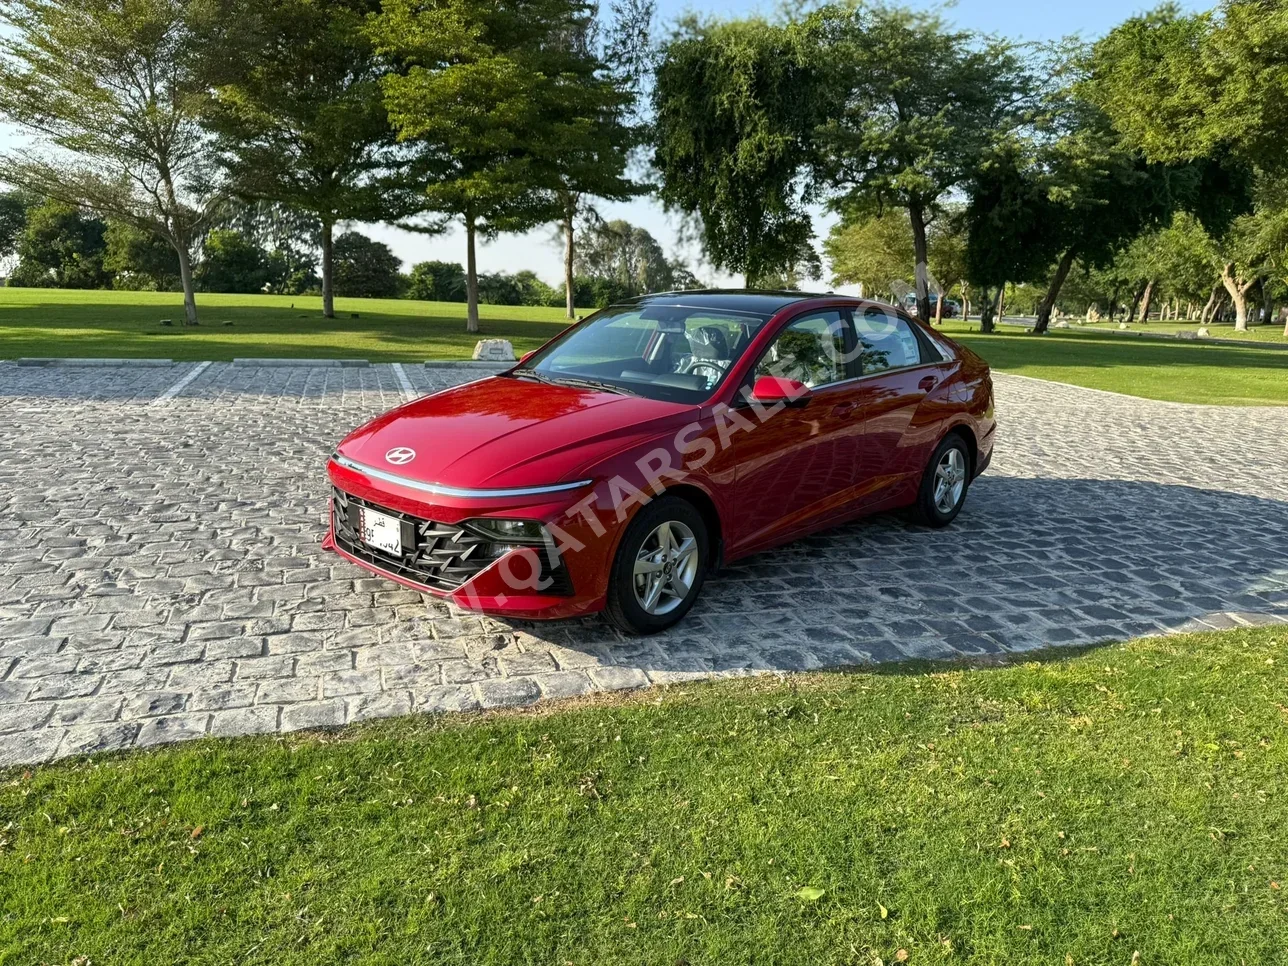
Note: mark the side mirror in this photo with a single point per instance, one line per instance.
(772, 390)
(526, 356)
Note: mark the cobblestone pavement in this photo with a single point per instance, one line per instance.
(161, 579)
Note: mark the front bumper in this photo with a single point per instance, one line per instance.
(519, 582)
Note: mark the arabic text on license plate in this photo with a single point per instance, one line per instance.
(381, 531)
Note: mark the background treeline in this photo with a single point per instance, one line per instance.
(1141, 173)
(262, 247)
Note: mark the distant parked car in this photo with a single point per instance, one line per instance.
(952, 308)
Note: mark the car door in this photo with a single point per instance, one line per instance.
(898, 370)
(797, 465)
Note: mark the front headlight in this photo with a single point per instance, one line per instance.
(509, 531)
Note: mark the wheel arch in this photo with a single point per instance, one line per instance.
(972, 444)
(706, 506)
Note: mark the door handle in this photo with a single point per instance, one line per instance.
(927, 383)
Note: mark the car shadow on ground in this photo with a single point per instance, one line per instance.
(1031, 563)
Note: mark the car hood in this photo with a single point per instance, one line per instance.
(506, 432)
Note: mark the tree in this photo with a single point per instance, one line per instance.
(736, 104)
(626, 254)
(795, 266)
(13, 219)
(1005, 220)
(919, 107)
(871, 250)
(304, 123)
(61, 247)
(1100, 193)
(437, 282)
(1240, 265)
(232, 263)
(472, 102)
(289, 236)
(588, 137)
(682, 277)
(1185, 257)
(365, 268)
(1188, 86)
(139, 260)
(601, 292)
(116, 92)
(946, 254)
(1269, 239)
(521, 288)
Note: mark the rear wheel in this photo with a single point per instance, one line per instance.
(945, 482)
(659, 567)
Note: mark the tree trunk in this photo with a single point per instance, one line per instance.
(1145, 299)
(986, 312)
(569, 250)
(185, 276)
(1053, 292)
(1135, 304)
(1001, 303)
(328, 271)
(939, 309)
(918, 219)
(1211, 304)
(471, 279)
(1238, 296)
(1267, 303)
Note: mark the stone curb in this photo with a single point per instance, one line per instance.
(468, 364)
(96, 363)
(303, 363)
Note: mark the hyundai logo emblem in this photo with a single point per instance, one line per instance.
(400, 455)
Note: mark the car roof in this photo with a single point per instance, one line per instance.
(733, 300)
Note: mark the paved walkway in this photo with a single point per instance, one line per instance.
(160, 575)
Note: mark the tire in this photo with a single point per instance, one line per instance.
(950, 465)
(629, 592)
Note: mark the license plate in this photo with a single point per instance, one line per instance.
(381, 531)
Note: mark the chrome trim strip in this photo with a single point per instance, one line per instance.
(440, 490)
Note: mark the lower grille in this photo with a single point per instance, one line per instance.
(434, 554)
(442, 556)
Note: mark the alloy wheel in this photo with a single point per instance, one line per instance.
(665, 568)
(950, 480)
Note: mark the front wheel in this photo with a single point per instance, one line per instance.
(659, 567)
(944, 484)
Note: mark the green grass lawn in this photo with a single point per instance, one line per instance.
(51, 322)
(1153, 368)
(48, 322)
(1077, 809)
(1274, 332)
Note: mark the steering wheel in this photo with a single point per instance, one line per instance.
(714, 371)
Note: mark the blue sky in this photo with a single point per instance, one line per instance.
(541, 251)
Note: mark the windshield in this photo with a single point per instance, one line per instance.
(662, 352)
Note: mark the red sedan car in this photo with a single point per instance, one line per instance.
(630, 456)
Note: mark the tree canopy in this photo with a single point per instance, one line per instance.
(917, 107)
(303, 123)
(365, 268)
(736, 106)
(474, 101)
(116, 93)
